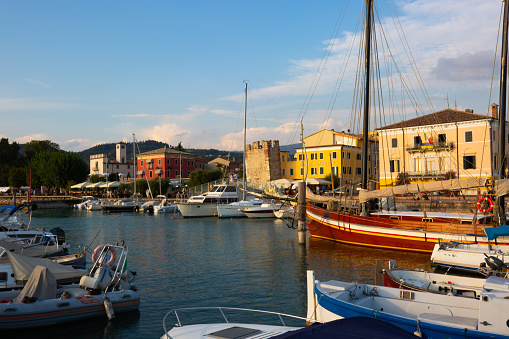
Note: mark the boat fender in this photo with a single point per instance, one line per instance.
(485, 205)
(98, 250)
(109, 308)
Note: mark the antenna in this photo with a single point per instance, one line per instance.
(455, 103)
(447, 99)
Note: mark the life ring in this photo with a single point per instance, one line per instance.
(482, 202)
(98, 250)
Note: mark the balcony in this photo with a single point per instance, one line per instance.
(441, 146)
(427, 174)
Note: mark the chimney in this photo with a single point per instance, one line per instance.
(469, 110)
(494, 111)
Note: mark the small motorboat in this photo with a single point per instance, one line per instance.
(424, 281)
(165, 207)
(286, 212)
(473, 257)
(127, 205)
(105, 291)
(358, 327)
(428, 315)
(265, 210)
(234, 209)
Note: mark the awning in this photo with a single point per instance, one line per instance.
(139, 172)
(81, 185)
(110, 184)
(158, 171)
(149, 160)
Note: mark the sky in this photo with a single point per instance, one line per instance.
(82, 73)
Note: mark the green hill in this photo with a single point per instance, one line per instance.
(150, 145)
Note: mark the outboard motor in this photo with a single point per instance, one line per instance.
(150, 209)
(494, 263)
(60, 234)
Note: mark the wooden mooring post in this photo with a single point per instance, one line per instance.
(301, 210)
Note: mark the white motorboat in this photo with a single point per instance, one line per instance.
(87, 200)
(473, 257)
(359, 327)
(424, 281)
(106, 290)
(206, 205)
(226, 328)
(149, 206)
(428, 315)
(165, 207)
(286, 212)
(265, 210)
(234, 210)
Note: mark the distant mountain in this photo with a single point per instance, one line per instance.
(150, 145)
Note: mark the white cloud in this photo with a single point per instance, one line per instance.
(38, 83)
(30, 104)
(28, 138)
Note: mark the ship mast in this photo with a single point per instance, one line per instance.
(367, 64)
(502, 163)
(244, 158)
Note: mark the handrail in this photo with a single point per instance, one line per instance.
(220, 309)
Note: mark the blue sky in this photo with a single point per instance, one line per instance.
(84, 73)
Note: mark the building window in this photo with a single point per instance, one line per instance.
(284, 172)
(349, 170)
(469, 162)
(358, 156)
(123, 160)
(176, 162)
(394, 142)
(369, 157)
(342, 155)
(282, 157)
(335, 170)
(394, 165)
(301, 157)
(321, 170)
(442, 138)
(302, 171)
(188, 162)
(321, 155)
(417, 141)
(344, 170)
(291, 172)
(168, 174)
(141, 162)
(313, 170)
(468, 136)
(348, 155)
(150, 173)
(334, 155)
(313, 156)
(118, 166)
(358, 170)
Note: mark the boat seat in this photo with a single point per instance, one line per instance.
(448, 320)
(100, 280)
(76, 292)
(334, 285)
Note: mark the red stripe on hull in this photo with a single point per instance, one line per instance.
(376, 240)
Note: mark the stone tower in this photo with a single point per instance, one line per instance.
(262, 161)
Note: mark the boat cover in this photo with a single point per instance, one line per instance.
(41, 285)
(40, 251)
(495, 232)
(23, 266)
(355, 327)
(502, 187)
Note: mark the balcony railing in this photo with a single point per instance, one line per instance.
(428, 174)
(441, 146)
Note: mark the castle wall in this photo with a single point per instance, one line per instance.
(263, 163)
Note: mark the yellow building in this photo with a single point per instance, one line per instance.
(329, 151)
(439, 145)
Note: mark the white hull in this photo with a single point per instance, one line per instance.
(234, 210)
(465, 257)
(189, 210)
(165, 209)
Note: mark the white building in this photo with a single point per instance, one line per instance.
(101, 165)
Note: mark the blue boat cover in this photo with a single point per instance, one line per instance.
(354, 328)
(495, 232)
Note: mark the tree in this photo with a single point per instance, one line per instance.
(200, 177)
(57, 169)
(402, 179)
(179, 147)
(335, 179)
(35, 146)
(9, 158)
(17, 177)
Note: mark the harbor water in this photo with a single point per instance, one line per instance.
(247, 263)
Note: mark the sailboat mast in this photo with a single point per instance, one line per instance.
(367, 61)
(134, 161)
(502, 114)
(244, 158)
